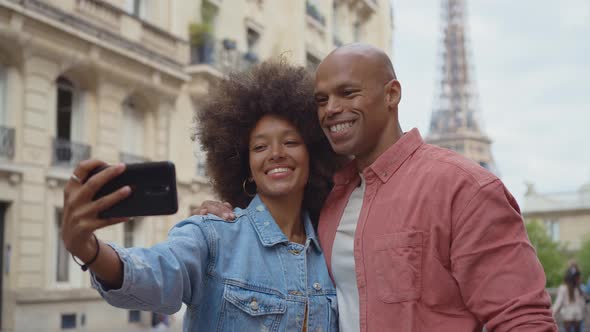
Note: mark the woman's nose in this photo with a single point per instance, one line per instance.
(277, 151)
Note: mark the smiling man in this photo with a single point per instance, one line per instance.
(416, 238)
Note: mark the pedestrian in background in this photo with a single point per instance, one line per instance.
(570, 302)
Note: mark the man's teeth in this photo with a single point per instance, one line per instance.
(341, 126)
(278, 170)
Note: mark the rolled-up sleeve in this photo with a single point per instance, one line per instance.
(160, 278)
(501, 280)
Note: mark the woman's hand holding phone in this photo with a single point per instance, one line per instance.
(80, 214)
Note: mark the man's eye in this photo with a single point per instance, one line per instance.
(348, 92)
(292, 143)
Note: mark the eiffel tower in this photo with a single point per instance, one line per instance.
(455, 123)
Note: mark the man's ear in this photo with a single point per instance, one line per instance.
(394, 93)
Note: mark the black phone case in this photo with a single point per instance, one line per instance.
(153, 190)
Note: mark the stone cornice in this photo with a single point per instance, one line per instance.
(95, 34)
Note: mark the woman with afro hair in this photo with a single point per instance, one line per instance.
(262, 271)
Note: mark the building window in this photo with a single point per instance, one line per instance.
(201, 165)
(552, 227)
(252, 38)
(137, 8)
(68, 321)
(129, 228)
(3, 112)
(70, 125)
(133, 128)
(311, 62)
(65, 108)
(134, 316)
(70, 114)
(63, 257)
(336, 24)
(356, 31)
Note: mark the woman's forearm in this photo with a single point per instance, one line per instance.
(107, 267)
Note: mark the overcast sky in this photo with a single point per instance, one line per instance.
(532, 66)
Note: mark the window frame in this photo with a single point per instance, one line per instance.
(133, 128)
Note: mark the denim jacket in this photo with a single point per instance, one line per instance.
(233, 276)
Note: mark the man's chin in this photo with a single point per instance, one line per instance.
(344, 149)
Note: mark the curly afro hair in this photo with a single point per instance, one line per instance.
(230, 113)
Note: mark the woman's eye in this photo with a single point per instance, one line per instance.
(321, 101)
(258, 148)
(292, 143)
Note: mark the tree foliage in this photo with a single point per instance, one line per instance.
(583, 259)
(551, 254)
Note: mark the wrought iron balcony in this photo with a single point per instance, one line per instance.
(68, 153)
(222, 55)
(130, 158)
(6, 142)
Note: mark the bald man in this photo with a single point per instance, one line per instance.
(416, 237)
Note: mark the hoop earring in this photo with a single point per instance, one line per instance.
(244, 188)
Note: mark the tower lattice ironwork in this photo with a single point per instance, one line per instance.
(455, 123)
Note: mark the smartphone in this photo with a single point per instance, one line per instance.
(153, 190)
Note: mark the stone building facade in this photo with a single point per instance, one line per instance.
(565, 215)
(119, 80)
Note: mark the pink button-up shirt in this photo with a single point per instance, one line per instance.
(440, 245)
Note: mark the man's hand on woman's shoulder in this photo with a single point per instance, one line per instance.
(223, 210)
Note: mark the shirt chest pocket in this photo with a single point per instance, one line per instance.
(251, 309)
(397, 262)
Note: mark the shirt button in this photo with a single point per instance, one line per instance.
(384, 174)
(260, 208)
(295, 252)
(317, 286)
(254, 305)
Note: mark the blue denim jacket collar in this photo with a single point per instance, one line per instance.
(267, 229)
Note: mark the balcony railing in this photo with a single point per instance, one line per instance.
(6, 142)
(314, 12)
(130, 158)
(222, 55)
(68, 153)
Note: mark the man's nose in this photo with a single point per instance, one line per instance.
(333, 107)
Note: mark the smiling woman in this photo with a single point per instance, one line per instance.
(226, 120)
(279, 162)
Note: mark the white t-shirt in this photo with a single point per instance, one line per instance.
(343, 263)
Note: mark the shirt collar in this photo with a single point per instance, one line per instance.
(267, 229)
(390, 160)
(387, 163)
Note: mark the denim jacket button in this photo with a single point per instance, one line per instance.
(317, 286)
(254, 305)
